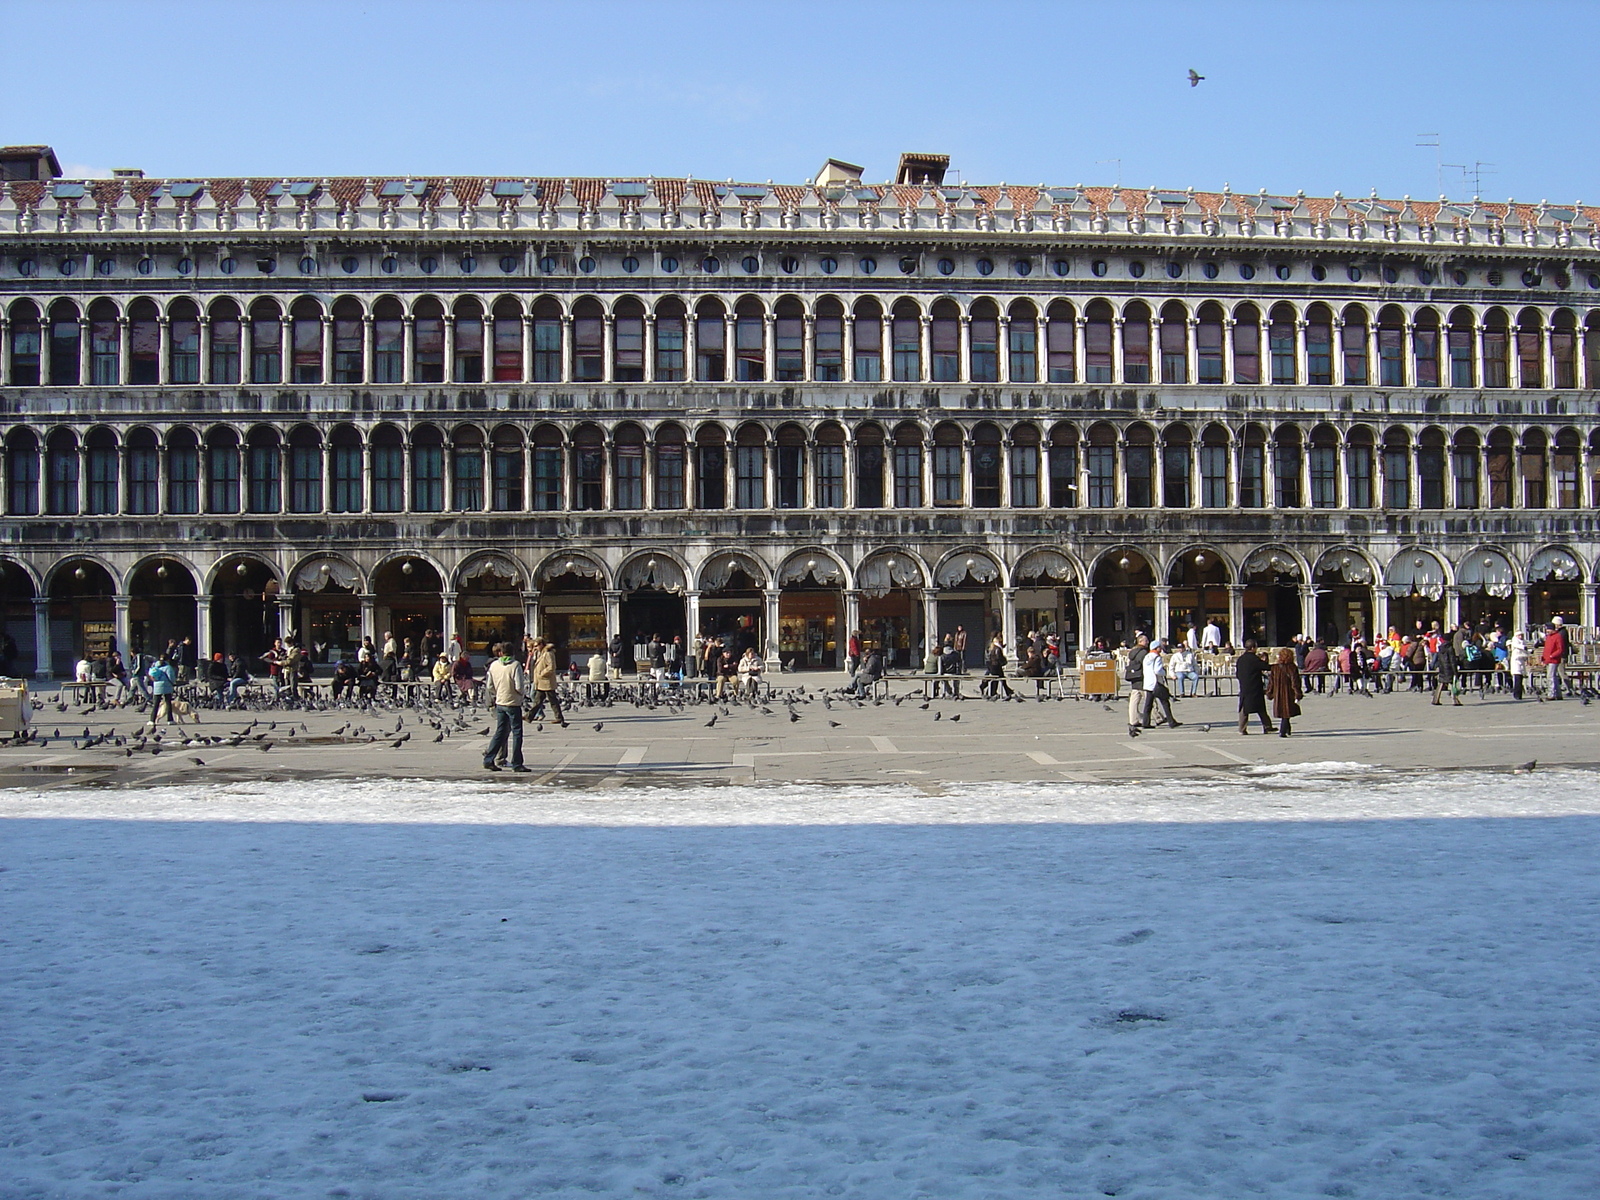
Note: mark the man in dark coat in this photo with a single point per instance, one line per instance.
(1248, 669)
(1445, 668)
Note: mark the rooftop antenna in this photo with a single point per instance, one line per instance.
(1118, 161)
(1430, 141)
(1474, 174)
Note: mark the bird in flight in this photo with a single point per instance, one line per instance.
(1194, 79)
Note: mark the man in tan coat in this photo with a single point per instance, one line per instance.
(544, 681)
(503, 684)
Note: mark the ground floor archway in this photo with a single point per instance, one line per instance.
(1124, 596)
(244, 608)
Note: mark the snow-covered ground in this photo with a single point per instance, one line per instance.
(1332, 982)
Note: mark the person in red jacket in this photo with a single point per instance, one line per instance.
(1554, 654)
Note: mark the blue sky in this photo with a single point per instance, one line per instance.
(1297, 95)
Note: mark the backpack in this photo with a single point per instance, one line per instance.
(1135, 670)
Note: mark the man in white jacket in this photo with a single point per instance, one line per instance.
(1155, 685)
(504, 684)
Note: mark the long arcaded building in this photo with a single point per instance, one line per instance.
(336, 407)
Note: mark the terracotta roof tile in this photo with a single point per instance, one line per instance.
(467, 191)
(907, 195)
(670, 192)
(27, 193)
(106, 192)
(1134, 200)
(1526, 214)
(1427, 211)
(789, 196)
(551, 191)
(1210, 203)
(226, 193)
(1023, 198)
(1099, 198)
(1320, 207)
(589, 192)
(144, 191)
(1498, 211)
(347, 192)
(706, 192)
(989, 195)
(259, 189)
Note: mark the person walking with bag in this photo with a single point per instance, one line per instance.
(1283, 689)
(1250, 671)
(504, 684)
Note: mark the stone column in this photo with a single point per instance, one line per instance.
(1236, 631)
(691, 615)
(1380, 612)
(247, 349)
(120, 624)
(649, 352)
(202, 629)
(1519, 611)
(1191, 351)
(1008, 618)
(164, 354)
(1085, 621)
(613, 603)
(205, 349)
(1452, 607)
(408, 325)
(772, 597)
(1163, 619)
(367, 334)
(852, 615)
(1586, 615)
(449, 369)
(5, 351)
(608, 348)
(1003, 349)
(926, 326)
(447, 618)
(527, 352)
(1308, 612)
(285, 606)
(808, 348)
(327, 347)
(42, 668)
(530, 613)
(930, 622)
(369, 617)
(769, 348)
(1116, 349)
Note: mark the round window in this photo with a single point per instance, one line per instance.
(1174, 270)
(349, 263)
(1424, 276)
(985, 266)
(789, 263)
(547, 264)
(1023, 266)
(266, 265)
(1390, 275)
(828, 263)
(710, 265)
(308, 265)
(69, 265)
(630, 264)
(908, 266)
(105, 265)
(1136, 269)
(185, 265)
(1319, 272)
(1594, 282)
(669, 264)
(1061, 266)
(1494, 278)
(947, 266)
(586, 265)
(1210, 270)
(1282, 271)
(1531, 278)
(1460, 277)
(390, 264)
(468, 264)
(1098, 266)
(428, 263)
(508, 263)
(867, 265)
(1246, 271)
(228, 266)
(750, 263)
(146, 265)
(26, 266)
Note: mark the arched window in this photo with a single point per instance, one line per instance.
(548, 354)
(1174, 343)
(1391, 347)
(627, 485)
(100, 451)
(183, 471)
(1322, 461)
(345, 474)
(1396, 469)
(588, 341)
(105, 345)
(427, 470)
(1459, 339)
(750, 342)
(671, 348)
(627, 350)
(305, 341)
(827, 344)
(225, 342)
(670, 461)
(1465, 455)
(1591, 351)
(986, 465)
(1500, 458)
(588, 468)
(710, 343)
(1287, 456)
(144, 473)
(908, 466)
(906, 341)
(1101, 462)
(388, 470)
(264, 471)
(222, 470)
(1097, 343)
(144, 343)
(1247, 344)
(24, 345)
(1530, 349)
(869, 466)
(828, 466)
(789, 467)
(1022, 343)
(1496, 349)
(1281, 344)
(466, 469)
(1359, 465)
(1139, 467)
(948, 465)
(427, 341)
(1564, 460)
(468, 349)
(1177, 457)
(1253, 467)
(388, 342)
(507, 346)
(711, 467)
(183, 357)
(549, 470)
(1064, 465)
(66, 334)
(61, 467)
(788, 342)
(867, 331)
(1353, 341)
(750, 467)
(1208, 343)
(1531, 465)
(22, 472)
(266, 342)
(1214, 467)
(1430, 468)
(305, 469)
(1425, 347)
(1136, 343)
(348, 334)
(1319, 346)
(983, 343)
(1061, 343)
(1024, 466)
(944, 342)
(505, 469)
(1564, 349)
